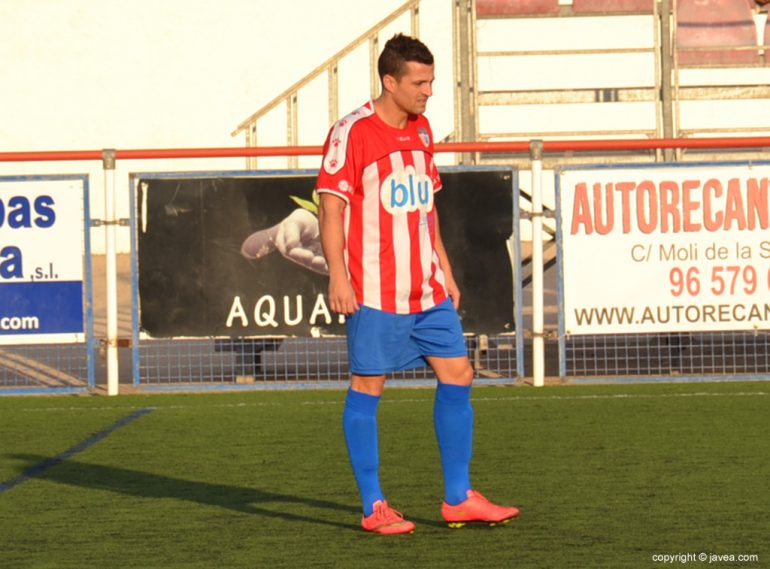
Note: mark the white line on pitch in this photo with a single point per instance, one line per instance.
(422, 400)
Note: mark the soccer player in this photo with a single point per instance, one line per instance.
(390, 274)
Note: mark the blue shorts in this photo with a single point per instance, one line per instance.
(382, 342)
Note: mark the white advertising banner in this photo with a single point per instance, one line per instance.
(665, 249)
(42, 249)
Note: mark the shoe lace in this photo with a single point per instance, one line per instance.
(479, 495)
(386, 514)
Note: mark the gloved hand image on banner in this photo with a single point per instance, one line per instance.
(296, 237)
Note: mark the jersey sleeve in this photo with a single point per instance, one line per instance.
(338, 169)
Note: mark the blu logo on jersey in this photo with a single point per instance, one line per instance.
(406, 191)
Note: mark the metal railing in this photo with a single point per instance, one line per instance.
(290, 97)
(604, 90)
(535, 151)
(660, 99)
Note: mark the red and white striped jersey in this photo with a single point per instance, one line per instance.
(387, 177)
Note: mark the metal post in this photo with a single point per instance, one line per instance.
(667, 65)
(538, 346)
(110, 222)
(334, 93)
(292, 127)
(466, 59)
(374, 76)
(251, 142)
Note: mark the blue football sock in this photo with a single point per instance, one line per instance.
(359, 423)
(453, 419)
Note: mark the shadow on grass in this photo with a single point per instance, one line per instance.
(154, 486)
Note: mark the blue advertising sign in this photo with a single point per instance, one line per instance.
(42, 255)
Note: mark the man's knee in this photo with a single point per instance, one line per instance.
(465, 376)
(455, 371)
(369, 384)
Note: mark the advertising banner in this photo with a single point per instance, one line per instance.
(240, 255)
(681, 248)
(42, 249)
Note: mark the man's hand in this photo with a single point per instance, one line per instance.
(342, 298)
(453, 290)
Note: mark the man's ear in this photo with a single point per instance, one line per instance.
(389, 83)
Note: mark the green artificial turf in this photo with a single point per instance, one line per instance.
(605, 476)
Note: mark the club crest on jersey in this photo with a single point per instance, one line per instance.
(406, 191)
(424, 136)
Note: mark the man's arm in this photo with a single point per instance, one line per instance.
(341, 295)
(451, 285)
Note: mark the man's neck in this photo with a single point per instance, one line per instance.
(390, 113)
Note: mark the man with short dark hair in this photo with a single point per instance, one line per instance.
(390, 274)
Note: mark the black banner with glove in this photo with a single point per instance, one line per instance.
(240, 255)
